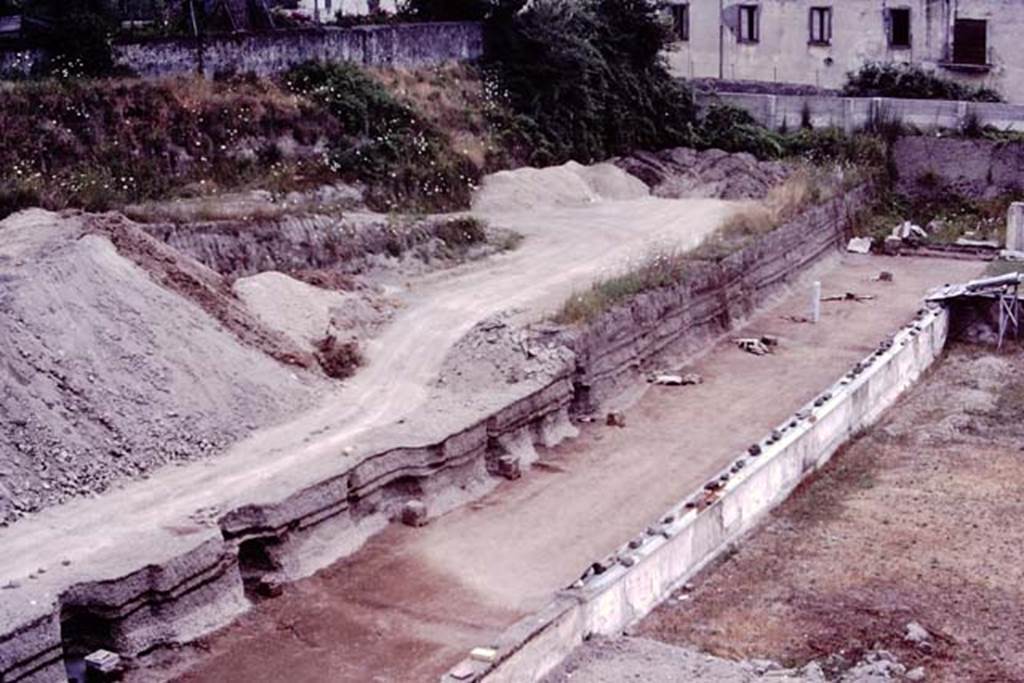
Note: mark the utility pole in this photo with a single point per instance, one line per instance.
(200, 66)
(721, 40)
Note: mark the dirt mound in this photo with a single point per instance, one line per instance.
(305, 313)
(682, 172)
(108, 370)
(568, 185)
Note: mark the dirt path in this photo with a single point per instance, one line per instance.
(565, 248)
(918, 522)
(508, 553)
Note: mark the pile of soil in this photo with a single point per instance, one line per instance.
(305, 313)
(109, 368)
(568, 185)
(683, 172)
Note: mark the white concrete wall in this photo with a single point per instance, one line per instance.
(859, 35)
(329, 8)
(852, 113)
(685, 540)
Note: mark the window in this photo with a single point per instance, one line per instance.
(899, 27)
(681, 20)
(970, 41)
(749, 31)
(821, 26)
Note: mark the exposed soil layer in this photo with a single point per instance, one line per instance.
(509, 552)
(106, 374)
(684, 172)
(909, 541)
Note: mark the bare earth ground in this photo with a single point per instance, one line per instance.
(410, 604)
(920, 521)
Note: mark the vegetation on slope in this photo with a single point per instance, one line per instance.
(587, 80)
(912, 82)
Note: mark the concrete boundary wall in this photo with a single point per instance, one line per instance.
(624, 588)
(267, 52)
(851, 113)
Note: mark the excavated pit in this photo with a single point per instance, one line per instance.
(254, 546)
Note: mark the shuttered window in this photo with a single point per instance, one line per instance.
(970, 41)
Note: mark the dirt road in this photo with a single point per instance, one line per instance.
(568, 243)
(455, 583)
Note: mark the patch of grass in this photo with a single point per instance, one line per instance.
(951, 215)
(661, 268)
(808, 185)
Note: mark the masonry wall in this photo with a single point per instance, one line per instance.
(785, 55)
(788, 112)
(265, 53)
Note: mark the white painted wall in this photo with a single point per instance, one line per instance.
(328, 8)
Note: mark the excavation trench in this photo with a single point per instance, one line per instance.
(199, 578)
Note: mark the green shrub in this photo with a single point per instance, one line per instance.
(876, 79)
(462, 231)
(586, 79)
(406, 162)
(732, 129)
(661, 268)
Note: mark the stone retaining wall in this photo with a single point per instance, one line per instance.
(269, 52)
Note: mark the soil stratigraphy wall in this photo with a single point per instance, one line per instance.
(969, 167)
(612, 352)
(204, 578)
(295, 243)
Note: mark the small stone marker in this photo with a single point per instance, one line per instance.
(508, 467)
(103, 661)
(1015, 227)
(484, 654)
(859, 245)
(816, 302)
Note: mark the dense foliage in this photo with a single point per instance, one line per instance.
(586, 79)
(405, 161)
(911, 82)
(103, 143)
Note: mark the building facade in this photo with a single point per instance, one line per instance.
(817, 42)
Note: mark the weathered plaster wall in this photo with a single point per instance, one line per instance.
(859, 35)
(265, 53)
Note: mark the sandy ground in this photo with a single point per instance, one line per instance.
(487, 563)
(918, 522)
(566, 247)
